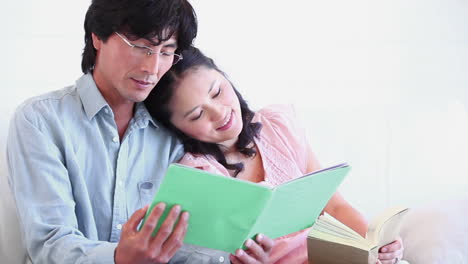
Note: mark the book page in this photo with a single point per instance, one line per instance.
(385, 228)
(331, 224)
(325, 236)
(342, 165)
(329, 229)
(296, 204)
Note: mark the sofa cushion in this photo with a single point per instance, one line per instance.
(437, 233)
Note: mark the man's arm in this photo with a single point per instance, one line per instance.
(44, 197)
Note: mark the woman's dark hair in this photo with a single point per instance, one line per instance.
(157, 104)
(147, 19)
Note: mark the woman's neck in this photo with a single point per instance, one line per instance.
(253, 165)
(229, 147)
(233, 155)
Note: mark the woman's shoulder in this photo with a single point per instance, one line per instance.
(280, 117)
(277, 111)
(282, 133)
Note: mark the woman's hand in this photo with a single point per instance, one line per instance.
(257, 253)
(391, 253)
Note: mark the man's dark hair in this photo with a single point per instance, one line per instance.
(149, 19)
(157, 104)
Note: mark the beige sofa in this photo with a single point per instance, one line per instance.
(437, 233)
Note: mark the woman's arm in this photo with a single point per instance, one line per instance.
(338, 207)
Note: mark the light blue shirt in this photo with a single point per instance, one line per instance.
(76, 183)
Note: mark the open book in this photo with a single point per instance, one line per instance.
(332, 242)
(225, 212)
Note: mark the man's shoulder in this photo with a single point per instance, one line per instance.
(47, 103)
(49, 99)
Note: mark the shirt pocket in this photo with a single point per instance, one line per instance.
(146, 191)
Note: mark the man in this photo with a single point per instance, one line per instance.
(83, 159)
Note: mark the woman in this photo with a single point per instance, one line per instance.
(222, 135)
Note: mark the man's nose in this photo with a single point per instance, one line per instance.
(150, 64)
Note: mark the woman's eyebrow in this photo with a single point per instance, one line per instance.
(213, 84)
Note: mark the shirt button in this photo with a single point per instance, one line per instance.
(106, 110)
(115, 139)
(119, 226)
(221, 259)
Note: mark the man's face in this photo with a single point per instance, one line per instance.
(125, 71)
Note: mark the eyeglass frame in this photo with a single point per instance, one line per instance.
(149, 51)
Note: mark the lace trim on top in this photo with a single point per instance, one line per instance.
(278, 167)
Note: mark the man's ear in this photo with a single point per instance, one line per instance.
(96, 41)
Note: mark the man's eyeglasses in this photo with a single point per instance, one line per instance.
(142, 51)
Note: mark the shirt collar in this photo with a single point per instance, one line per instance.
(91, 97)
(142, 115)
(93, 102)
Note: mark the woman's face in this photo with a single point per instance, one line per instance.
(204, 106)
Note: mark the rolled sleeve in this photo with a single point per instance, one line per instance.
(103, 254)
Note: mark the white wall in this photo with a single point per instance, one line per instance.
(379, 84)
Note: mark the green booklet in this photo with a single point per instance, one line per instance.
(225, 212)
